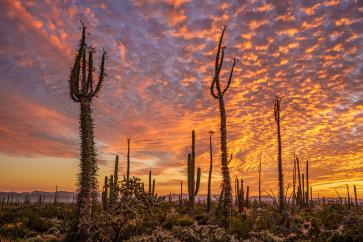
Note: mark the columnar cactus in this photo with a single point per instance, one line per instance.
(281, 200)
(83, 91)
(299, 191)
(248, 197)
(153, 189)
(209, 195)
(348, 195)
(303, 189)
(226, 200)
(114, 188)
(193, 185)
(294, 197)
(111, 185)
(105, 194)
(259, 180)
(128, 159)
(149, 191)
(56, 195)
(181, 194)
(355, 196)
(307, 183)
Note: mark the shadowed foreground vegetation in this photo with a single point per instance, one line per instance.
(147, 218)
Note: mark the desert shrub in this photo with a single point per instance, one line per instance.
(185, 220)
(241, 225)
(38, 224)
(330, 217)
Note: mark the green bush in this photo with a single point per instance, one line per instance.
(241, 226)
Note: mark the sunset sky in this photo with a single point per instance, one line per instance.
(160, 65)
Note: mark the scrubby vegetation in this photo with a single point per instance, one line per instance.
(137, 216)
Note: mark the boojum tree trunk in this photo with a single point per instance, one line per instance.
(225, 199)
(82, 90)
(281, 202)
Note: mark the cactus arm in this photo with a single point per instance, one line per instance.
(102, 74)
(197, 185)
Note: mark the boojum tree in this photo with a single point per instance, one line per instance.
(83, 91)
(281, 199)
(217, 92)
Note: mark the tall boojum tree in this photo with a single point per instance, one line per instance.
(82, 90)
(225, 199)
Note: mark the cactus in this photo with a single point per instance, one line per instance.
(307, 183)
(111, 185)
(299, 192)
(209, 195)
(303, 190)
(149, 182)
(348, 195)
(105, 194)
(56, 195)
(193, 185)
(248, 197)
(83, 91)
(236, 190)
(128, 159)
(225, 201)
(259, 180)
(153, 189)
(294, 183)
(311, 195)
(281, 199)
(355, 196)
(181, 194)
(114, 185)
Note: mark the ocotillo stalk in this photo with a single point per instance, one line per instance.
(348, 195)
(259, 180)
(149, 182)
(277, 110)
(303, 190)
(355, 196)
(193, 186)
(307, 182)
(83, 91)
(128, 159)
(209, 195)
(226, 200)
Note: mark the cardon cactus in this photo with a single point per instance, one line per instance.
(83, 90)
(193, 185)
